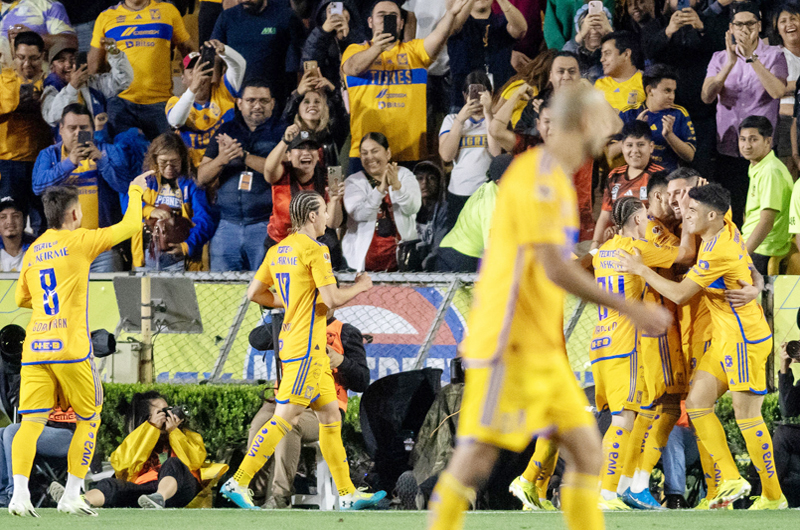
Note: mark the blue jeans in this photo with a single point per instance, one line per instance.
(108, 261)
(681, 452)
(236, 247)
(124, 115)
(53, 442)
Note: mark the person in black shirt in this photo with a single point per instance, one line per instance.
(787, 435)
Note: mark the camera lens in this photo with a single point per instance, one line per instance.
(793, 349)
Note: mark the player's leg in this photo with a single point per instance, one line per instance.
(614, 447)
(581, 448)
(666, 416)
(633, 453)
(543, 482)
(711, 473)
(526, 486)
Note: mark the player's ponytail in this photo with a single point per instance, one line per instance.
(624, 209)
(301, 207)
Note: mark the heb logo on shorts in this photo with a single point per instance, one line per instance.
(47, 345)
(602, 342)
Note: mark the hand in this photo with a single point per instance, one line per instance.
(748, 45)
(229, 149)
(94, 153)
(200, 74)
(158, 213)
(485, 100)
(683, 201)
(141, 180)
(691, 18)
(519, 60)
(458, 6)
(537, 104)
(364, 281)
(390, 176)
(384, 41)
(730, 48)
(175, 249)
(79, 77)
(79, 154)
(307, 83)
(324, 84)
(676, 22)
(217, 45)
(110, 45)
(743, 296)
(654, 319)
(785, 359)
(667, 122)
(643, 115)
(336, 193)
(608, 233)
(472, 107)
(333, 23)
(523, 92)
(631, 263)
(291, 132)
(100, 121)
(172, 422)
(15, 30)
(157, 419)
(335, 357)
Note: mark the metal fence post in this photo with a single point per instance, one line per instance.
(573, 319)
(419, 362)
(227, 344)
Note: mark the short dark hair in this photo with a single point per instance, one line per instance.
(625, 40)
(685, 173)
(636, 129)
(376, 2)
(78, 109)
(29, 38)
(657, 181)
(657, 73)
(749, 7)
(712, 195)
(761, 123)
(57, 200)
(377, 137)
(477, 77)
(257, 83)
(567, 53)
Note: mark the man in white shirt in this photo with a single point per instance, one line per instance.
(13, 240)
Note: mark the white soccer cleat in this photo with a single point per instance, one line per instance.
(76, 506)
(21, 508)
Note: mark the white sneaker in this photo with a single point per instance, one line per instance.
(75, 506)
(360, 500)
(21, 508)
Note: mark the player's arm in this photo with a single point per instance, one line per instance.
(687, 252)
(457, 13)
(748, 292)
(22, 296)
(132, 221)
(568, 274)
(334, 296)
(260, 293)
(765, 224)
(677, 292)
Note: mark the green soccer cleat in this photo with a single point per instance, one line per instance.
(75, 506)
(763, 503)
(729, 491)
(526, 493)
(614, 505)
(547, 505)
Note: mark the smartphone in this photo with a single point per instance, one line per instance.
(337, 8)
(334, 176)
(311, 66)
(595, 7)
(684, 4)
(475, 91)
(84, 137)
(390, 24)
(207, 55)
(81, 59)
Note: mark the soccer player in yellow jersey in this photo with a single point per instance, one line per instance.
(57, 360)
(615, 340)
(518, 378)
(300, 270)
(736, 358)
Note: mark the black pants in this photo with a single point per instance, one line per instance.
(705, 157)
(455, 203)
(206, 19)
(450, 260)
(760, 262)
(123, 494)
(732, 174)
(786, 442)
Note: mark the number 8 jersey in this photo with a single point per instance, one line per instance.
(614, 334)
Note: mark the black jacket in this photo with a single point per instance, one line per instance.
(323, 47)
(353, 373)
(788, 395)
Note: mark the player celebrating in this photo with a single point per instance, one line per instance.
(300, 268)
(57, 359)
(737, 355)
(515, 354)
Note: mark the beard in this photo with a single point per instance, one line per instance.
(250, 7)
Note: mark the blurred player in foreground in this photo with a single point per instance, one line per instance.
(57, 359)
(519, 382)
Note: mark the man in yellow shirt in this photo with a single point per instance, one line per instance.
(57, 357)
(621, 57)
(146, 31)
(511, 381)
(386, 82)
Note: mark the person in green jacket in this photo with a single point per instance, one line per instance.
(559, 20)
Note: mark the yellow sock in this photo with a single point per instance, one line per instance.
(712, 435)
(658, 435)
(23, 448)
(536, 464)
(711, 471)
(614, 446)
(548, 468)
(759, 445)
(268, 437)
(449, 500)
(81, 449)
(633, 454)
(330, 443)
(579, 502)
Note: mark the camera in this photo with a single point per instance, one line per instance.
(793, 349)
(179, 411)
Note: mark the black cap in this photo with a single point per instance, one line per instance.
(9, 202)
(499, 165)
(304, 137)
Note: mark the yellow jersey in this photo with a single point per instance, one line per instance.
(23, 131)
(517, 309)
(84, 177)
(54, 282)
(298, 266)
(624, 94)
(204, 120)
(721, 263)
(147, 37)
(390, 97)
(614, 335)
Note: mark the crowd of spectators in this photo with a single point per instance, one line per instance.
(394, 110)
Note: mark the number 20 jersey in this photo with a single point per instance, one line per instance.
(55, 279)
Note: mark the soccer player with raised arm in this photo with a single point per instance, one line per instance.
(299, 268)
(57, 359)
(737, 354)
(518, 379)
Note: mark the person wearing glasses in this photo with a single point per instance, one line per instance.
(748, 78)
(232, 167)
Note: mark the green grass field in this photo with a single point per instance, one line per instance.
(391, 520)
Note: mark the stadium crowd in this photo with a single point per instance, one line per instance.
(403, 115)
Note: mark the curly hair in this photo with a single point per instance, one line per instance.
(168, 143)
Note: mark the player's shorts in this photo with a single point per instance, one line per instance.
(307, 382)
(694, 320)
(741, 365)
(76, 385)
(525, 393)
(664, 365)
(615, 382)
